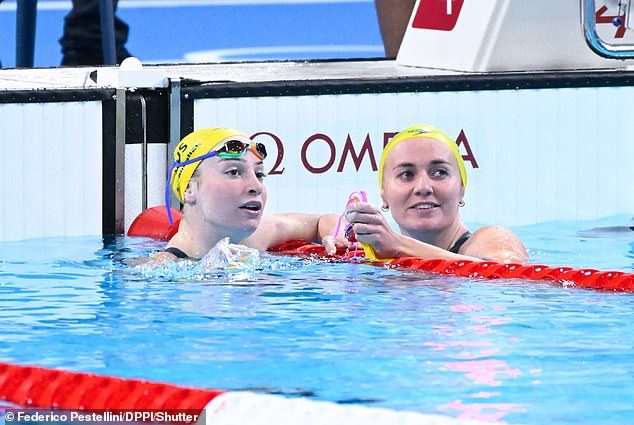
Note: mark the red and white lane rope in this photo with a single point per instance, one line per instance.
(36, 387)
(582, 278)
(31, 386)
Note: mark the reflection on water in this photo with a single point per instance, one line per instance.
(480, 364)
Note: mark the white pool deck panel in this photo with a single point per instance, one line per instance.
(239, 72)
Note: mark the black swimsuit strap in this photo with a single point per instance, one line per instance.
(176, 252)
(461, 240)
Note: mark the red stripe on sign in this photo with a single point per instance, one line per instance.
(440, 15)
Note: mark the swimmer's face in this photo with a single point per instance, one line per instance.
(422, 186)
(230, 194)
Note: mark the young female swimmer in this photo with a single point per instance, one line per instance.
(218, 176)
(422, 178)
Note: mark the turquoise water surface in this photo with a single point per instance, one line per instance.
(506, 350)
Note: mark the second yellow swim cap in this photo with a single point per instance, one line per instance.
(423, 130)
(196, 144)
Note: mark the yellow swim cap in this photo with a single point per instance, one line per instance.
(196, 144)
(423, 130)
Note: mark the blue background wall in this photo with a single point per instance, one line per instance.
(210, 30)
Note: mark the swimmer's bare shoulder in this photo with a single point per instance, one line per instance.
(495, 243)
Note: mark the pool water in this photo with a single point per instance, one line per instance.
(500, 350)
(606, 244)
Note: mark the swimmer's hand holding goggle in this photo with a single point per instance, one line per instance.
(355, 197)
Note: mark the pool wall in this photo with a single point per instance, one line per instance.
(539, 146)
(52, 171)
(532, 155)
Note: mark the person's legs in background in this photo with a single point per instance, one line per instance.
(81, 42)
(393, 19)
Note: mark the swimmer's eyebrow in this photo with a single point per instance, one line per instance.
(432, 162)
(405, 165)
(439, 162)
(238, 159)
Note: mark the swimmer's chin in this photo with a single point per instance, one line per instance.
(244, 233)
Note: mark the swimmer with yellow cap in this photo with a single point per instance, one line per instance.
(422, 181)
(426, 131)
(218, 177)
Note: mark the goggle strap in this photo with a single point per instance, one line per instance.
(168, 183)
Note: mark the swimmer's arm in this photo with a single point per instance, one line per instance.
(157, 259)
(405, 246)
(490, 243)
(495, 243)
(278, 228)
